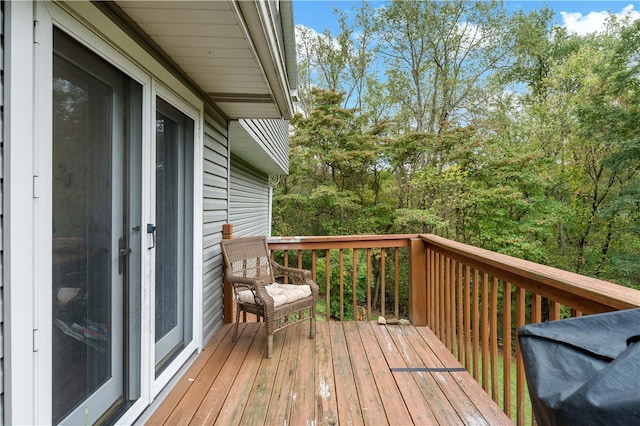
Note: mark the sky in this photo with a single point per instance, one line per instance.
(580, 16)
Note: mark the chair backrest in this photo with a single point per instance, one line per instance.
(248, 257)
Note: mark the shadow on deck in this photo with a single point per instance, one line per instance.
(351, 373)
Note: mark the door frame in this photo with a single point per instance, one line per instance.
(121, 51)
(160, 90)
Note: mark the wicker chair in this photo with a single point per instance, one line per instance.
(252, 272)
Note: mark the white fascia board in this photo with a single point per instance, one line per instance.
(258, 25)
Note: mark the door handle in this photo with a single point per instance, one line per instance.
(151, 229)
(123, 252)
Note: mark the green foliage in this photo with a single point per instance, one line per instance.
(522, 138)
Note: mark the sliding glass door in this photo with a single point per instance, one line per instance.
(96, 132)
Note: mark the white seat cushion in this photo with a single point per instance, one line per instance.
(281, 293)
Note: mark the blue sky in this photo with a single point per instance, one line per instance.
(580, 16)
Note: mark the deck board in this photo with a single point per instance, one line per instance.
(343, 376)
(213, 400)
(394, 406)
(349, 412)
(440, 405)
(263, 385)
(368, 395)
(325, 387)
(279, 407)
(303, 394)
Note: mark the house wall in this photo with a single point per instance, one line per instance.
(248, 200)
(215, 214)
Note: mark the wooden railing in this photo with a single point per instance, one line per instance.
(356, 268)
(473, 299)
(467, 286)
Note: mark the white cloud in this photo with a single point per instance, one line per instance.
(594, 21)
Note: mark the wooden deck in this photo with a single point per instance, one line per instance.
(351, 373)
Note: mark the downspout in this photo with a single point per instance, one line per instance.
(272, 184)
(228, 170)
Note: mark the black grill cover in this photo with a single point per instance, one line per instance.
(584, 371)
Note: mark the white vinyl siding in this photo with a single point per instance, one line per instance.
(214, 216)
(273, 138)
(248, 200)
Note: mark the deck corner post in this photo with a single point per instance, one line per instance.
(227, 231)
(417, 283)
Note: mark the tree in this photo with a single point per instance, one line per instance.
(438, 54)
(507, 133)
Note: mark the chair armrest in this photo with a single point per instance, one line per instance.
(296, 276)
(262, 294)
(255, 285)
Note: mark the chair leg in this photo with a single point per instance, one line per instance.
(269, 345)
(312, 327)
(235, 329)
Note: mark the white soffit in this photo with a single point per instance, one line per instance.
(210, 42)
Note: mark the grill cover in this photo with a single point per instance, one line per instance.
(584, 370)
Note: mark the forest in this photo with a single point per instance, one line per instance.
(500, 130)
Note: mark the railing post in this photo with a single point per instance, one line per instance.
(227, 301)
(417, 283)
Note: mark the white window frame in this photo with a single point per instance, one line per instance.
(155, 79)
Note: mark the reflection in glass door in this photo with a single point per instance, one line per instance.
(174, 230)
(94, 108)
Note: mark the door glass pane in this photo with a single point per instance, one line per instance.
(174, 212)
(82, 235)
(167, 219)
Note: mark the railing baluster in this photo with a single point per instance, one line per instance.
(447, 303)
(441, 296)
(536, 308)
(382, 280)
(493, 336)
(285, 264)
(328, 288)
(368, 283)
(485, 332)
(459, 310)
(397, 282)
(467, 317)
(476, 325)
(299, 259)
(506, 346)
(452, 305)
(554, 310)
(433, 312)
(520, 379)
(354, 283)
(341, 272)
(313, 265)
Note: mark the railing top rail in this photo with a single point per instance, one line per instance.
(340, 241)
(569, 286)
